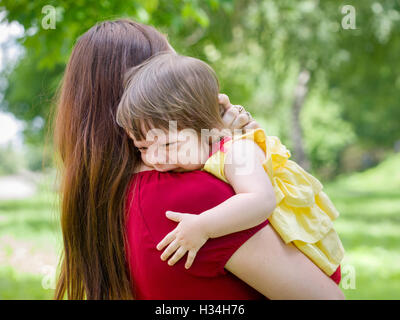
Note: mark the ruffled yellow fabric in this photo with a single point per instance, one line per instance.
(304, 213)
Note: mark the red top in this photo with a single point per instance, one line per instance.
(189, 192)
(151, 194)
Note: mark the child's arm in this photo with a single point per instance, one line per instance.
(255, 198)
(253, 203)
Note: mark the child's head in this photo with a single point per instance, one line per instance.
(169, 89)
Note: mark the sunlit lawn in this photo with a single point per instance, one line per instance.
(369, 226)
(29, 243)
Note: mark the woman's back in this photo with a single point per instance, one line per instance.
(152, 193)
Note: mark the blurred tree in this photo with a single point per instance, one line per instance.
(367, 80)
(276, 41)
(32, 84)
(258, 48)
(10, 160)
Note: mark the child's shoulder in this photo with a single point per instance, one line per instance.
(271, 145)
(250, 138)
(252, 134)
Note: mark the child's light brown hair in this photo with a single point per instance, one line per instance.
(170, 87)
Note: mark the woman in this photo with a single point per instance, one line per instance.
(98, 161)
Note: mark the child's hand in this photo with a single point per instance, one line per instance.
(189, 235)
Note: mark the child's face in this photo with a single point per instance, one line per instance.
(173, 151)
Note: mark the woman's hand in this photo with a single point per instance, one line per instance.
(235, 116)
(189, 236)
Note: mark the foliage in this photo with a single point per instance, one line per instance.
(10, 160)
(257, 47)
(326, 134)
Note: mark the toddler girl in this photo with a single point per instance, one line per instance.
(170, 109)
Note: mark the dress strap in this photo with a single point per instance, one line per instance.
(219, 145)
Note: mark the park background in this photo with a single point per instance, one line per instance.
(321, 75)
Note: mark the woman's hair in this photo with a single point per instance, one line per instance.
(170, 87)
(97, 159)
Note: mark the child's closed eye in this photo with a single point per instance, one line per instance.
(169, 143)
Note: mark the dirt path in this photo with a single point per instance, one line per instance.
(16, 187)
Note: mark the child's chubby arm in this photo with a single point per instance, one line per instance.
(255, 198)
(253, 203)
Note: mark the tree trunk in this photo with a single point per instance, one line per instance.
(300, 94)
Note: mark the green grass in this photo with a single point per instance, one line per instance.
(369, 226)
(29, 243)
(21, 286)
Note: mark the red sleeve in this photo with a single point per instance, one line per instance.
(191, 192)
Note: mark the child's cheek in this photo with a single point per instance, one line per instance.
(144, 160)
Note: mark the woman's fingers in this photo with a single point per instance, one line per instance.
(251, 125)
(170, 250)
(178, 254)
(223, 100)
(230, 115)
(241, 120)
(167, 239)
(233, 117)
(229, 112)
(190, 258)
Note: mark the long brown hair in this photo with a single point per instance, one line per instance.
(97, 159)
(170, 87)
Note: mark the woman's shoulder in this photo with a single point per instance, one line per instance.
(196, 177)
(188, 189)
(189, 192)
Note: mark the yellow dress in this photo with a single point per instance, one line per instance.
(304, 213)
